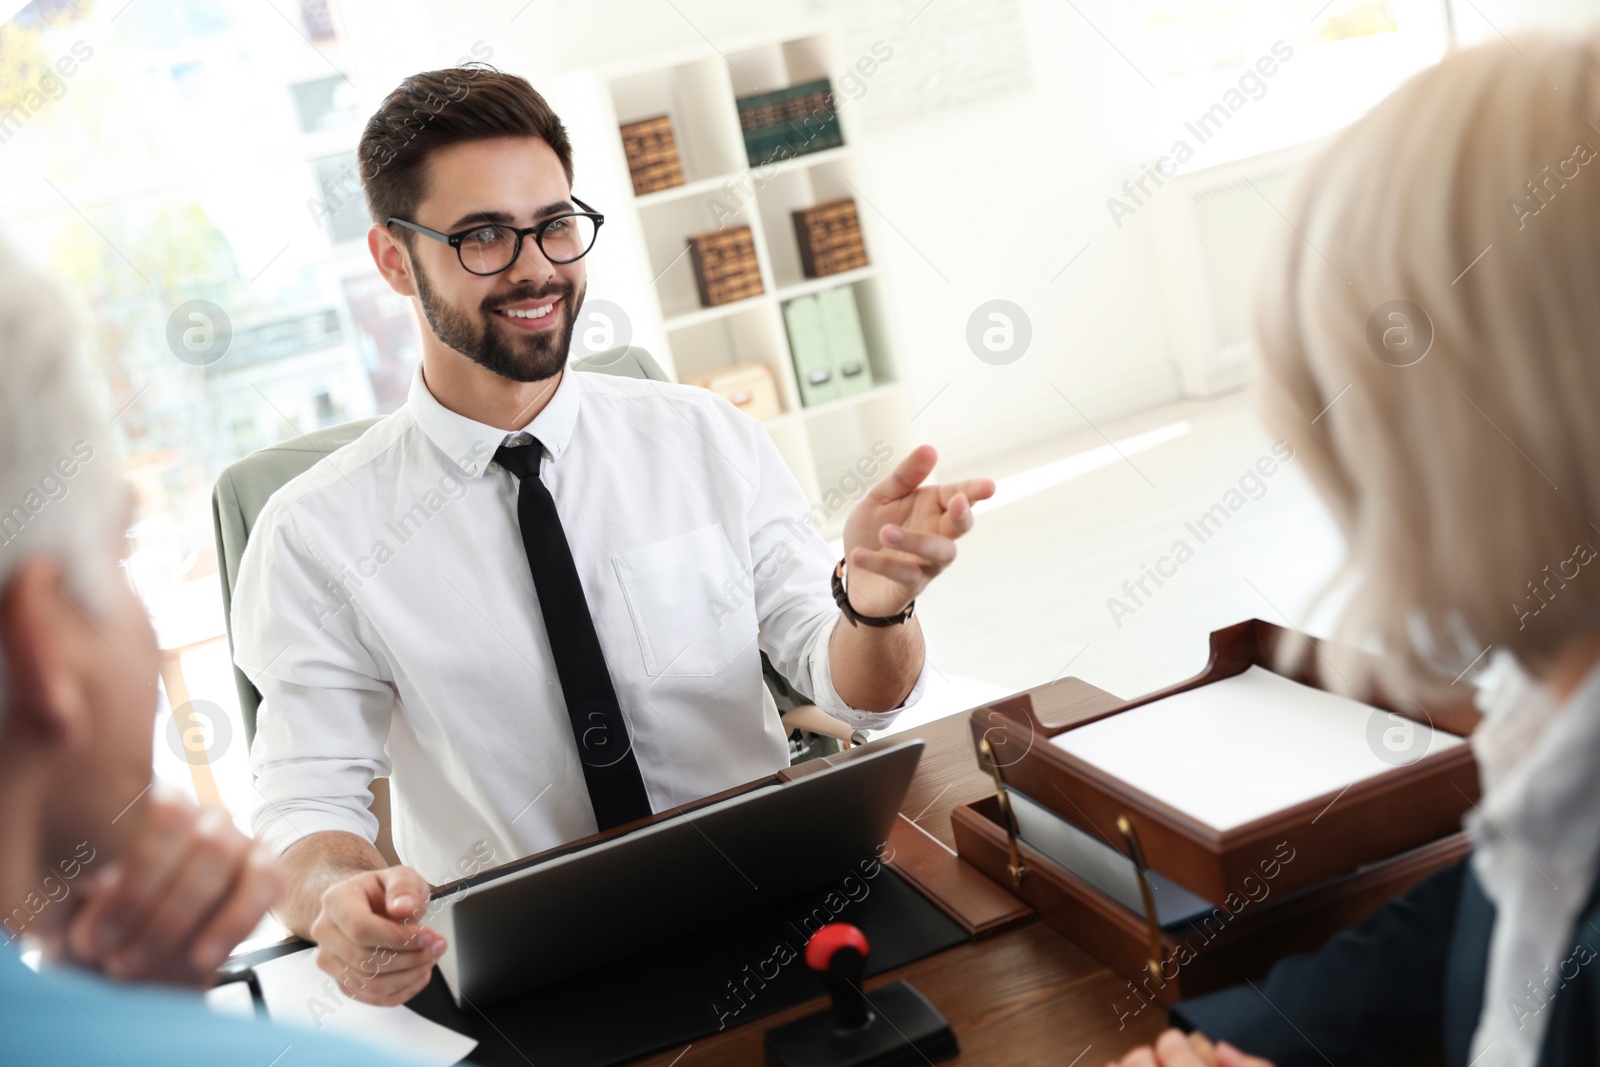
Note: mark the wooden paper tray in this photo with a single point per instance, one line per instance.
(1331, 834)
(1237, 941)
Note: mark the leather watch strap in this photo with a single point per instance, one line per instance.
(843, 600)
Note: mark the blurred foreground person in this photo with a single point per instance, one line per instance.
(116, 886)
(1430, 344)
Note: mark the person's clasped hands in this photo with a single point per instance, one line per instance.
(1174, 1048)
(188, 891)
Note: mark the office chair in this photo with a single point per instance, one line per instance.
(244, 487)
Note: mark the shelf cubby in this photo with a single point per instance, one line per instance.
(791, 190)
(753, 334)
(667, 228)
(692, 94)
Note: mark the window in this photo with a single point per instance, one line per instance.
(216, 241)
(1340, 57)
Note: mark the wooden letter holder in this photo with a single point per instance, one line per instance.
(1282, 884)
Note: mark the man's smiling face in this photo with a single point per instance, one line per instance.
(517, 323)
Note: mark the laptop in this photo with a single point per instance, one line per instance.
(517, 931)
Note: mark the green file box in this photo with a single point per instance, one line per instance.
(808, 343)
(847, 347)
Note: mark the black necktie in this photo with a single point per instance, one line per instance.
(610, 769)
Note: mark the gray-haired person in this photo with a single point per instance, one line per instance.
(118, 887)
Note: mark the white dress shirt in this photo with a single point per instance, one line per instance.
(385, 610)
(1536, 848)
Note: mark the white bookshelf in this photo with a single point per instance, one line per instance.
(642, 263)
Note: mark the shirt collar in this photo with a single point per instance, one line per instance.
(1542, 773)
(471, 445)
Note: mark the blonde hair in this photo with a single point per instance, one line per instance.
(1466, 482)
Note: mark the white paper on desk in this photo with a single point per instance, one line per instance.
(231, 999)
(299, 993)
(1246, 747)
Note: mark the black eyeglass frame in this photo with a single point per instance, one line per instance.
(536, 232)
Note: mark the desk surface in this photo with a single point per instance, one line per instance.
(1025, 996)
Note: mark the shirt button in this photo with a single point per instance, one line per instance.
(493, 466)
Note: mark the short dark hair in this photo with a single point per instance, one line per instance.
(444, 107)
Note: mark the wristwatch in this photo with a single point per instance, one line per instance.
(843, 600)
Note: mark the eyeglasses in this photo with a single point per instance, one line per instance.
(490, 248)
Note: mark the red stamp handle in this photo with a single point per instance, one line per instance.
(830, 939)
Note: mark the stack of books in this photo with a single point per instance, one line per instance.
(829, 234)
(725, 266)
(789, 122)
(652, 154)
(829, 348)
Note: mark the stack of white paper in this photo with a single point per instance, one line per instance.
(1249, 746)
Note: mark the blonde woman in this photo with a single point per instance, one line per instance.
(1430, 340)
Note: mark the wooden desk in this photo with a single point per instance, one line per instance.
(1022, 997)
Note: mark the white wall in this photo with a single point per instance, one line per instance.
(1480, 20)
(993, 201)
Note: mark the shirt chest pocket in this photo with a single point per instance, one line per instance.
(690, 601)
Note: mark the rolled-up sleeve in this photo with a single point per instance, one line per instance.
(793, 569)
(323, 724)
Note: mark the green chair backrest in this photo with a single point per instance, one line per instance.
(245, 486)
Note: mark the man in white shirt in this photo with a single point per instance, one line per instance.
(536, 599)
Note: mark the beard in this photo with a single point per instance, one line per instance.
(499, 347)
